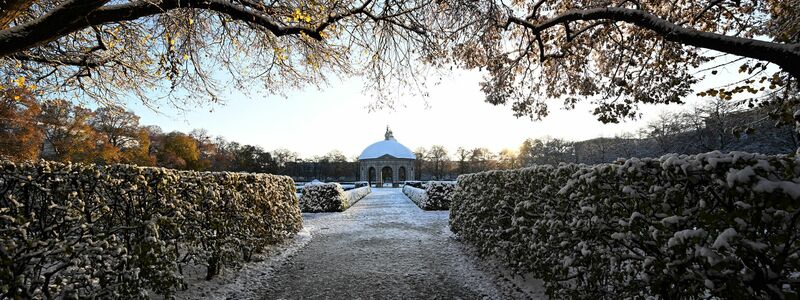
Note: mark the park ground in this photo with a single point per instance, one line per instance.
(383, 247)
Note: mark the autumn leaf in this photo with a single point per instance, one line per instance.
(20, 81)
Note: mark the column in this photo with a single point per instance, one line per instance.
(379, 174)
(395, 173)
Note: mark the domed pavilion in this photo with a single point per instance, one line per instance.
(387, 162)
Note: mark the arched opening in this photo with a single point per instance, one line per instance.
(386, 175)
(371, 175)
(401, 174)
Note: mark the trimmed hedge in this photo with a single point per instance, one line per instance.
(439, 195)
(357, 194)
(724, 225)
(359, 184)
(416, 195)
(330, 197)
(416, 184)
(119, 231)
(435, 196)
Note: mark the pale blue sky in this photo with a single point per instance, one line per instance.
(315, 121)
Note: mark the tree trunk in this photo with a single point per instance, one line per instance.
(214, 264)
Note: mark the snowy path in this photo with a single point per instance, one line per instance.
(386, 247)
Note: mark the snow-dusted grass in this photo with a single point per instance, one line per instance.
(725, 225)
(329, 197)
(120, 231)
(435, 196)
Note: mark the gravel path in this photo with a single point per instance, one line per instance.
(386, 247)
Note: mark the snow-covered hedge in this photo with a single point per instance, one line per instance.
(435, 196)
(85, 231)
(416, 195)
(439, 193)
(329, 197)
(726, 225)
(416, 184)
(359, 184)
(357, 194)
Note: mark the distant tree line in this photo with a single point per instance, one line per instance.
(717, 125)
(58, 130)
(61, 131)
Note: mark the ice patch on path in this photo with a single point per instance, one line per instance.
(250, 279)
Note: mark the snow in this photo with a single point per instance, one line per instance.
(592, 224)
(757, 246)
(723, 240)
(380, 248)
(387, 147)
(788, 187)
(248, 281)
(682, 236)
(672, 220)
(740, 176)
(417, 195)
(328, 197)
(709, 254)
(353, 195)
(629, 190)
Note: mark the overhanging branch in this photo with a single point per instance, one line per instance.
(64, 60)
(787, 56)
(76, 15)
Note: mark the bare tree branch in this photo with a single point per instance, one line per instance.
(76, 15)
(787, 56)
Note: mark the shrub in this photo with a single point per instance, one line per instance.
(416, 184)
(416, 195)
(678, 226)
(329, 197)
(119, 231)
(359, 184)
(357, 194)
(435, 196)
(439, 193)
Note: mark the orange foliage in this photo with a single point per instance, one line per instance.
(20, 138)
(180, 151)
(68, 136)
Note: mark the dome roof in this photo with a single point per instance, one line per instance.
(389, 146)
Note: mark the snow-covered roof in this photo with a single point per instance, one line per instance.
(389, 146)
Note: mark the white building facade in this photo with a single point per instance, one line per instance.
(386, 163)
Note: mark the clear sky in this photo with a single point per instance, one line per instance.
(315, 121)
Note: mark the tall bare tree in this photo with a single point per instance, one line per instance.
(420, 162)
(438, 159)
(462, 158)
(120, 127)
